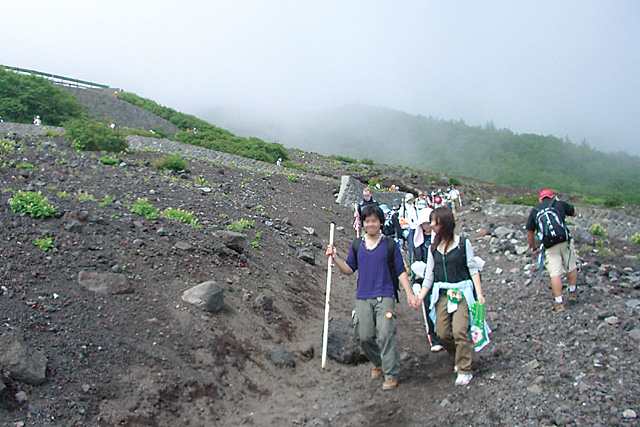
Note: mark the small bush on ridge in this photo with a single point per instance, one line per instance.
(32, 203)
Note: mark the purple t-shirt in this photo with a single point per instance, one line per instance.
(374, 278)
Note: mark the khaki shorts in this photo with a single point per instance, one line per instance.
(560, 259)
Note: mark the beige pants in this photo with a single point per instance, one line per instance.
(454, 332)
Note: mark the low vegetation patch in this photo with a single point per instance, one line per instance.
(143, 208)
(240, 225)
(108, 160)
(181, 216)
(598, 230)
(93, 136)
(172, 162)
(46, 243)
(292, 177)
(32, 203)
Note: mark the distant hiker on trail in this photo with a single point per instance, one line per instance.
(37, 121)
(375, 314)
(367, 200)
(409, 221)
(112, 126)
(279, 161)
(116, 95)
(452, 276)
(556, 245)
(391, 226)
(421, 202)
(422, 242)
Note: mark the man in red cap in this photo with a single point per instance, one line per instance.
(556, 245)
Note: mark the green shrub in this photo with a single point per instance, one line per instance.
(6, 146)
(292, 177)
(258, 235)
(597, 230)
(373, 182)
(181, 215)
(22, 97)
(367, 162)
(32, 203)
(46, 243)
(636, 238)
(240, 225)
(526, 200)
(172, 162)
(255, 244)
(83, 196)
(93, 136)
(106, 201)
(25, 166)
(63, 194)
(454, 181)
(613, 201)
(289, 164)
(201, 182)
(107, 160)
(143, 208)
(343, 159)
(50, 133)
(588, 200)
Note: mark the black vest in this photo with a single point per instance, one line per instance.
(452, 267)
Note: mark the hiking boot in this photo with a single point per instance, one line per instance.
(436, 348)
(574, 294)
(390, 384)
(463, 379)
(376, 372)
(557, 306)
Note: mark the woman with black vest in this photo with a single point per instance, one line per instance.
(453, 274)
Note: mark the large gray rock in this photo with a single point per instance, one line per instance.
(105, 283)
(207, 296)
(501, 232)
(25, 365)
(342, 343)
(581, 236)
(281, 357)
(232, 239)
(307, 255)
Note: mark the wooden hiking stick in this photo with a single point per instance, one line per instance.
(325, 335)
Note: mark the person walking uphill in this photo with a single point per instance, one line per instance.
(376, 294)
(453, 274)
(556, 246)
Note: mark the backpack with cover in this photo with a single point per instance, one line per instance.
(551, 229)
(387, 227)
(390, 252)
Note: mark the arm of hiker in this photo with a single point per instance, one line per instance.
(428, 276)
(412, 300)
(532, 242)
(331, 251)
(478, 285)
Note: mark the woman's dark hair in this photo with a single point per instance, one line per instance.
(443, 217)
(369, 210)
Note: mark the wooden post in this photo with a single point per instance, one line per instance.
(325, 336)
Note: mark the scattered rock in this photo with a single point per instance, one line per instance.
(184, 246)
(262, 302)
(342, 344)
(281, 357)
(232, 239)
(307, 255)
(207, 296)
(25, 365)
(105, 283)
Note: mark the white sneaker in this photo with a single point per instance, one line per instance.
(463, 379)
(436, 348)
(455, 369)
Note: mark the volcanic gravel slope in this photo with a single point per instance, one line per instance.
(145, 357)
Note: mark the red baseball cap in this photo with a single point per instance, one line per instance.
(546, 193)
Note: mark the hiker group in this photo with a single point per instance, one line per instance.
(445, 271)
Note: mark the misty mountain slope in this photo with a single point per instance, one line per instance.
(427, 143)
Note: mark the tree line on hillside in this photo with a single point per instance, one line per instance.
(483, 152)
(23, 96)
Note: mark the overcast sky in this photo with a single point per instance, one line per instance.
(567, 68)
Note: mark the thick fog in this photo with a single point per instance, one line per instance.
(570, 68)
